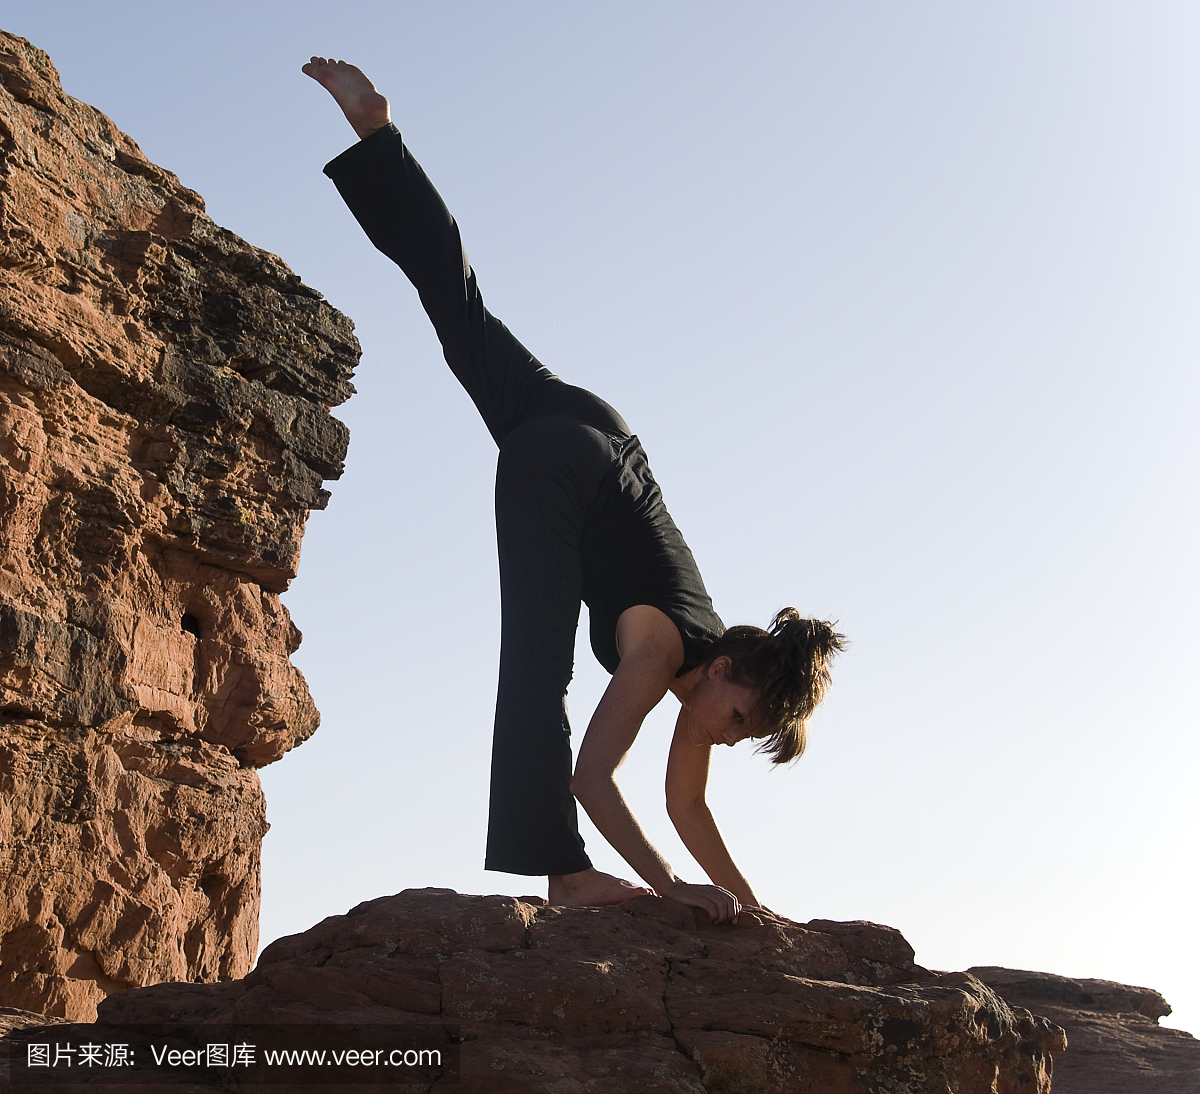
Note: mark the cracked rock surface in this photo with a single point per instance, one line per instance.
(164, 431)
(645, 996)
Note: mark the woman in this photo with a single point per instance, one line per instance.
(579, 517)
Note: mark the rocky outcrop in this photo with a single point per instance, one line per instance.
(164, 431)
(642, 997)
(1116, 1043)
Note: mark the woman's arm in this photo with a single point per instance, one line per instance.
(687, 777)
(651, 651)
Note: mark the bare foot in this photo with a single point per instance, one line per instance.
(592, 889)
(365, 109)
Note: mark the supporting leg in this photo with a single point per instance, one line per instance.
(547, 473)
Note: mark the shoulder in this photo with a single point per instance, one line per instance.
(647, 636)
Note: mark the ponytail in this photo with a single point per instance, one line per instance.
(789, 666)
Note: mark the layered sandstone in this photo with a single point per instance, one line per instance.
(1117, 1045)
(164, 431)
(644, 997)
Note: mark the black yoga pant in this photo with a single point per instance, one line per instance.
(557, 444)
(548, 472)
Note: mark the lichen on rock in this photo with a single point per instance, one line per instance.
(165, 391)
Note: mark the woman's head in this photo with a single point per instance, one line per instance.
(788, 668)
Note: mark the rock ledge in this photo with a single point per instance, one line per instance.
(1116, 1043)
(645, 997)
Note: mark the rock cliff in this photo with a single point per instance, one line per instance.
(643, 997)
(164, 431)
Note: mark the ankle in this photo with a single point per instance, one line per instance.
(573, 881)
(366, 129)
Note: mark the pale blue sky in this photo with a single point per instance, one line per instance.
(900, 299)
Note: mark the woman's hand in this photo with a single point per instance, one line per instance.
(720, 904)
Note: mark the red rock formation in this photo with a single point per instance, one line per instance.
(637, 998)
(1116, 1043)
(164, 431)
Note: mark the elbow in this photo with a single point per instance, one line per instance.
(683, 812)
(587, 787)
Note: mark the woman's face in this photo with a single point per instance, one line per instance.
(719, 712)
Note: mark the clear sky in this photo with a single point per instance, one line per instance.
(901, 299)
